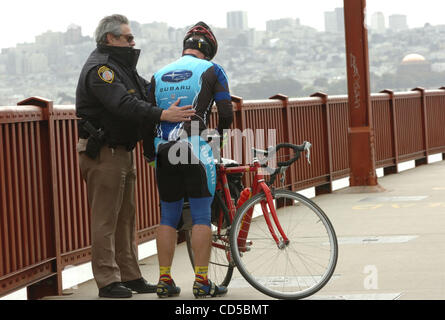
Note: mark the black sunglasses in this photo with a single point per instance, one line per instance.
(128, 37)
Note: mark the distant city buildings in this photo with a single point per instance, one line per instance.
(237, 20)
(398, 22)
(48, 49)
(281, 24)
(334, 21)
(288, 57)
(378, 24)
(73, 34)
(330, 21)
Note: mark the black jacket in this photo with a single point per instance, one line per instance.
(112, 96)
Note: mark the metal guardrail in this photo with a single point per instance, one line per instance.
(44, 214)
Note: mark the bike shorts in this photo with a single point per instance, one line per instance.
(185, 169)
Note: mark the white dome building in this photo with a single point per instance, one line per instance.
(414, 63)
(413, 58)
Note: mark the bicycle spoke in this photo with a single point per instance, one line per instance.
(289, 261)
(305, 258)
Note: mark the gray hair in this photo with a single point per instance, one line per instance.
(110, 24)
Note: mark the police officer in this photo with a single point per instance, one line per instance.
(112, 104)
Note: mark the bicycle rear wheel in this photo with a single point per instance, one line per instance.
(287, 271)
(220, 265)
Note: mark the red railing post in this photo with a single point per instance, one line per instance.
(240, 120)
(286, 114)
(326, 188)
(423, 160)
(237, 144)
(241, 125)
(394, 167)
(51, 285)
(443, 153)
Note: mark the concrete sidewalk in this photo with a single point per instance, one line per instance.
(391, 244)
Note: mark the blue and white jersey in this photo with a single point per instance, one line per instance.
(196, 82)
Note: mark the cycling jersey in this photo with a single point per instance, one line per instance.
(200, 83)
(196, 82)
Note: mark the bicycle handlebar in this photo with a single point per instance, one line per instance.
(271, 151)
(282, 166)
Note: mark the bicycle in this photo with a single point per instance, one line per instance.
(281, 242)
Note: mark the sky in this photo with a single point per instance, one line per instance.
(22, 20)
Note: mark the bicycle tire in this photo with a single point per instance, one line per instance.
(285, 273)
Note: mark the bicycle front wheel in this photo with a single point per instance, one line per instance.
(291, 269)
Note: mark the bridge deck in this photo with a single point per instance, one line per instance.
(392, 244)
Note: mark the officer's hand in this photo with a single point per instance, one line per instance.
(177, 114)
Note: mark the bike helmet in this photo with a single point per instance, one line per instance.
(201, 37)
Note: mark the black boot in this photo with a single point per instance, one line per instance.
(115, 290)
(140, 286)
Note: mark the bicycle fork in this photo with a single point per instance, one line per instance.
(267, 207)
(283, 242)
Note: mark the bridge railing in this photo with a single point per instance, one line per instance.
(45, 219)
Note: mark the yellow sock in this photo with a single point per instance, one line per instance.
(201, 273)
(164, 274)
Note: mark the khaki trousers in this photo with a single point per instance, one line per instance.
(110, 180)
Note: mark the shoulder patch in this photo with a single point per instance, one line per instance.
(106, 74)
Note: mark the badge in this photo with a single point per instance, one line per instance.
(106, 74)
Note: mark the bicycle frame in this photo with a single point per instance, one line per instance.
(259, 185)
(242, 234)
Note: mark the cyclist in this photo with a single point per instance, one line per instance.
(184, 161)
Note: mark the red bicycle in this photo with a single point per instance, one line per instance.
(281, 242)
